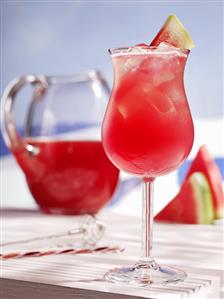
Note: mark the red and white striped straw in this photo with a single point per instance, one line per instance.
(104, 249)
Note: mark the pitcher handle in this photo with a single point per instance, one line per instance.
(10, 133)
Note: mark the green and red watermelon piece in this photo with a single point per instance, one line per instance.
(192, 205)
(204, 163)
(201, 198)
(173, 33)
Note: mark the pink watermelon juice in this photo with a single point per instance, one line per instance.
(69, 177)
(148, 129)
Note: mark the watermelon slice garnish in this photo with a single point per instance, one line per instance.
(192, 205)
(173, 33)
(204, 162)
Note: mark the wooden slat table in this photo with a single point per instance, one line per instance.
(197, 249)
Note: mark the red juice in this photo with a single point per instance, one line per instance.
(148, 129)
(68, 177)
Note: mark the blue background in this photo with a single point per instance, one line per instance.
(66, 37)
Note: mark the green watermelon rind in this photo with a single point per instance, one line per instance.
(174, 32)
(204, 163)
(203, 197)
(192, 205)
(186, 40)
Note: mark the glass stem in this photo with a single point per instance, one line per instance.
(147, 219)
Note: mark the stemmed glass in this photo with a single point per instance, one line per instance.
(147, 131)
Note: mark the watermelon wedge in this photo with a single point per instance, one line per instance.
(204, 162)
(174, 33)
(192, 205)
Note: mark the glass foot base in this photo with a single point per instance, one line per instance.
(145, 273)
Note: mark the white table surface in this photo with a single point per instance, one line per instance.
(197, 249)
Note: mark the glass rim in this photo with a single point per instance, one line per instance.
(146, 49)
(86, 75)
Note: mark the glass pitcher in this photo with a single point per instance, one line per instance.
(61, 154)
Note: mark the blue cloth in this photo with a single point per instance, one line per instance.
(184, 168)
(3, 148)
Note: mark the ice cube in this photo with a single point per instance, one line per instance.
(146, 88)
(176, 95)
(141, 48)
(126, 63)
(162, 77)
(161, 102)
(165, 48)
(133, 100)
(131, 64)
(134, 61)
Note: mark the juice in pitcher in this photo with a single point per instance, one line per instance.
(68, 177)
